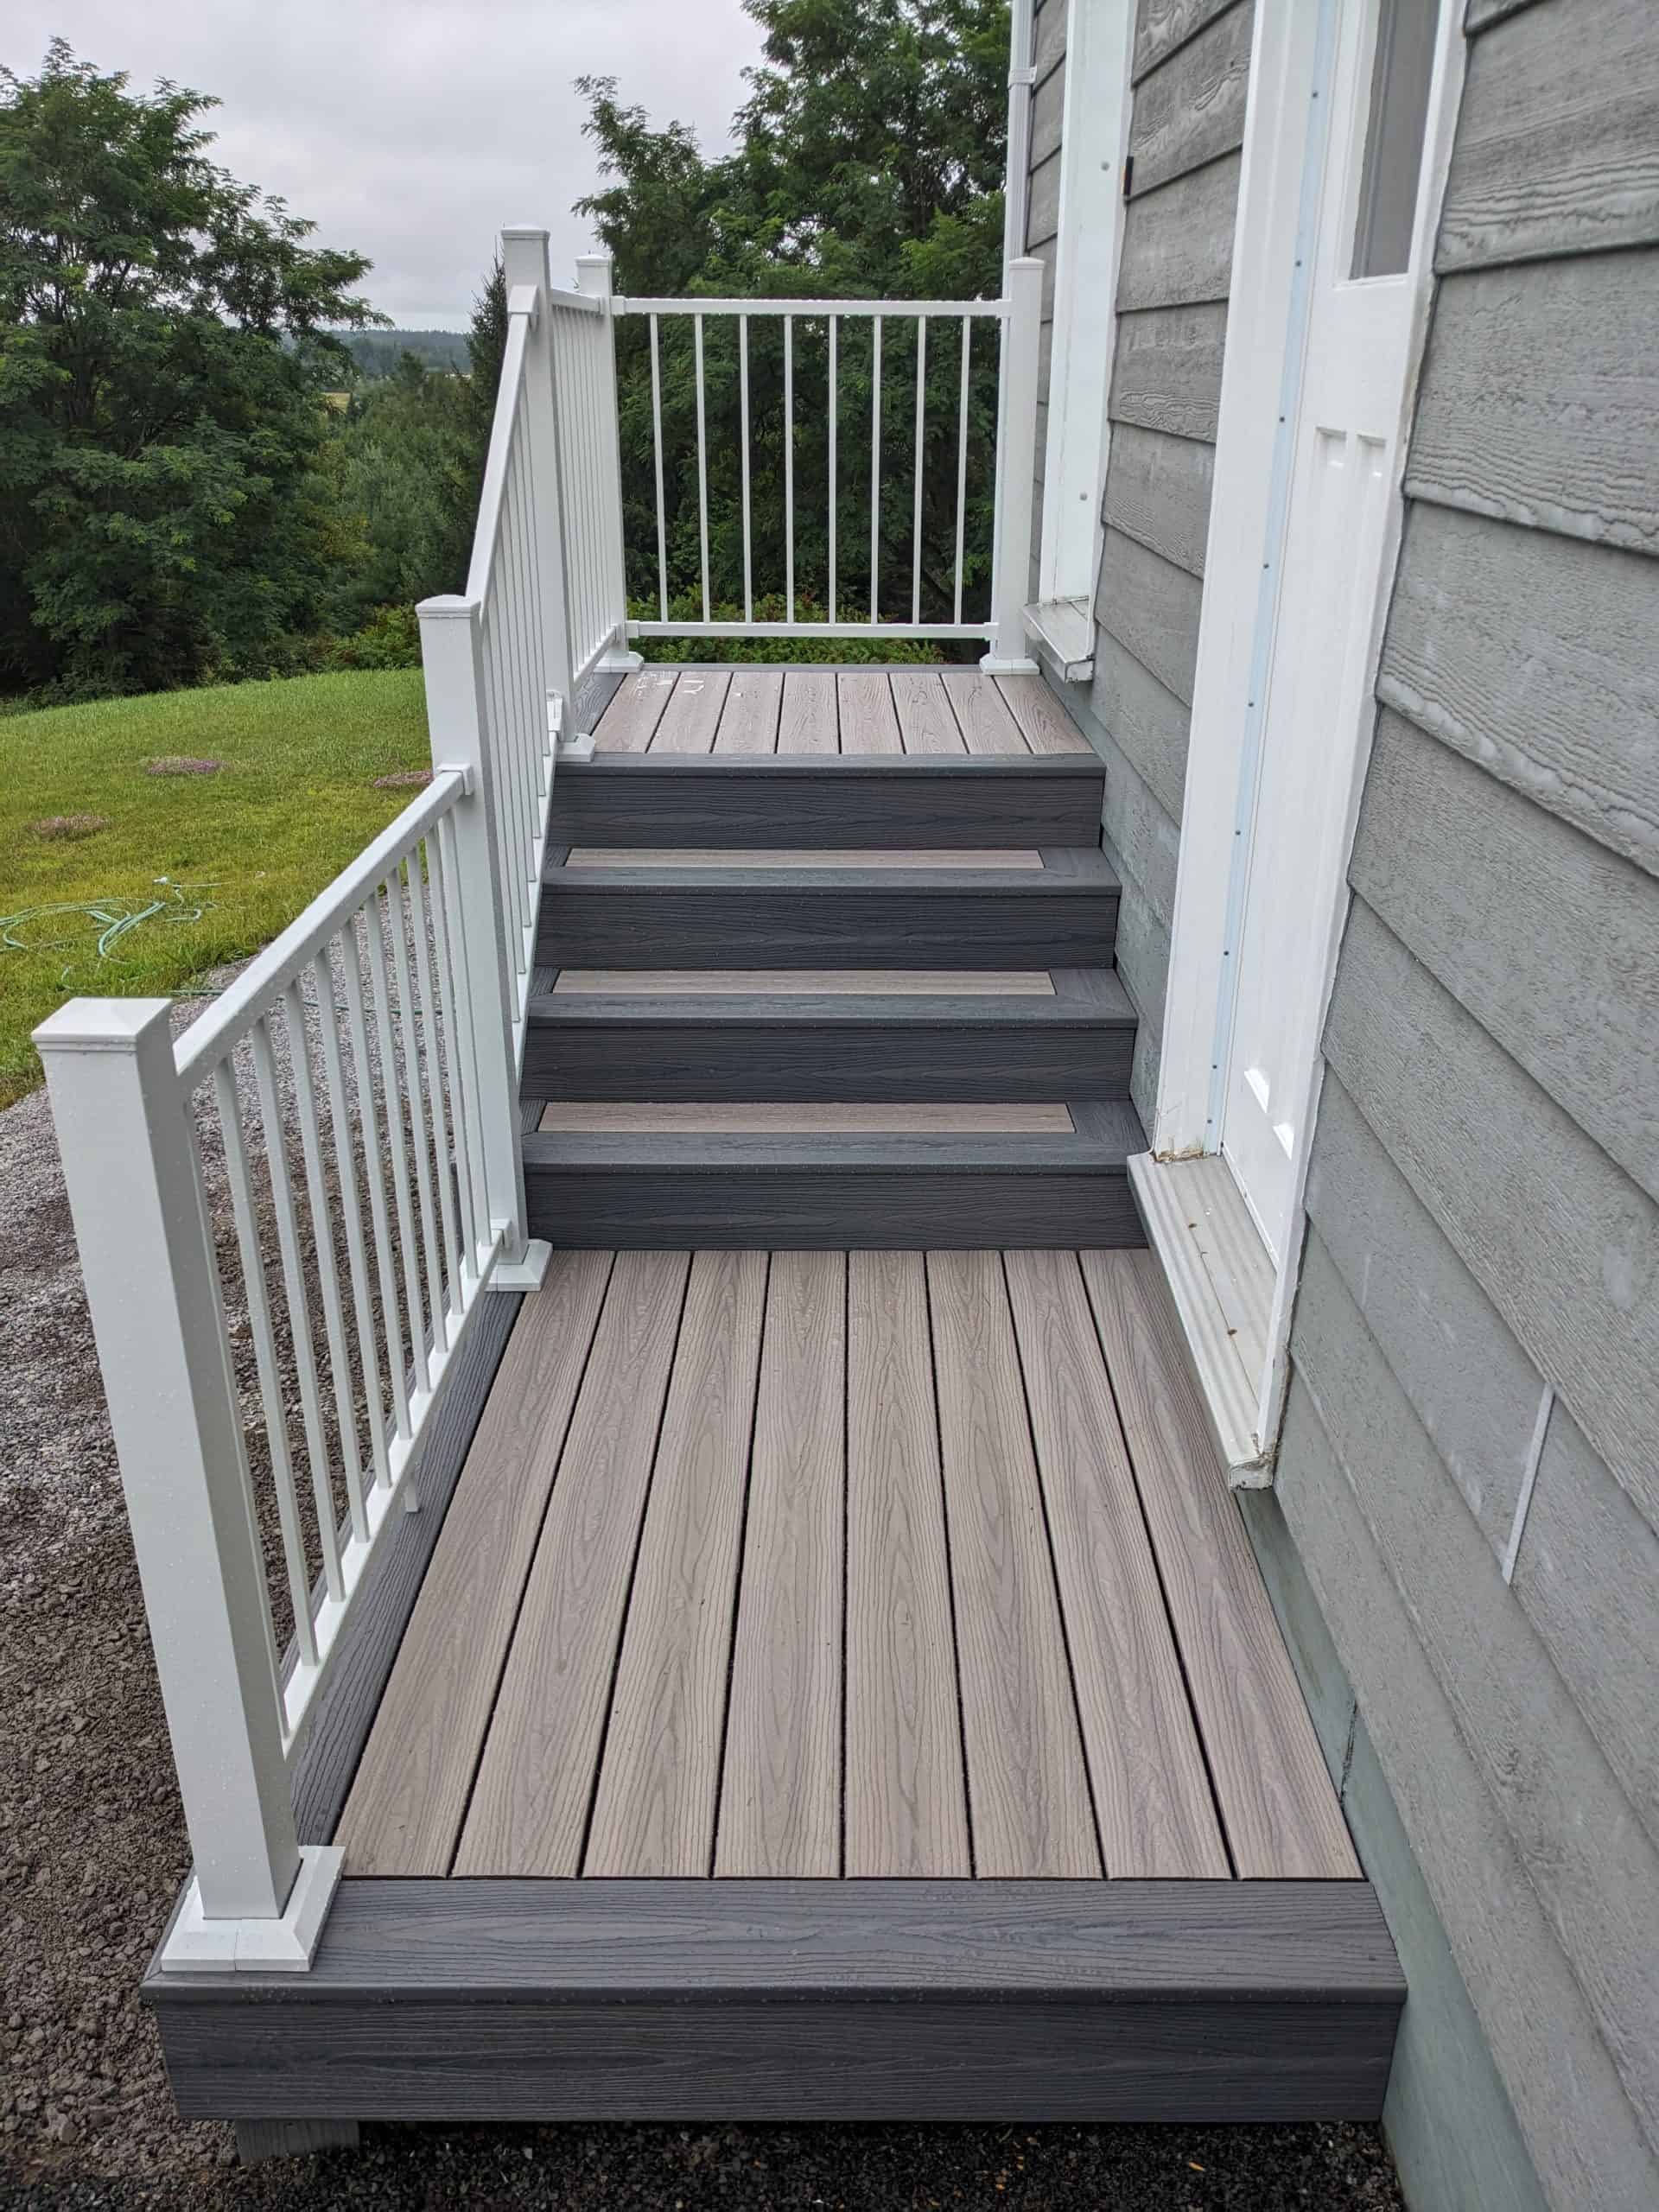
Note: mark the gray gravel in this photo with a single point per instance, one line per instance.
(92, 1848)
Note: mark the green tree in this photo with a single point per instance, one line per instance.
(164, 348)
(867, 164)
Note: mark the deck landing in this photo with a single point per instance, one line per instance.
(821, 1565)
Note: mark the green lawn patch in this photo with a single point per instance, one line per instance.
(144, 840)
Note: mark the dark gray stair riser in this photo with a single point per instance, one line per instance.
(811, 1208)
(844, 804)
(880, 1062)
(597, 925)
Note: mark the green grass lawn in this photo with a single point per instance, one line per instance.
(211, 865)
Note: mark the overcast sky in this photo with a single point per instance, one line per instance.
(413, 130)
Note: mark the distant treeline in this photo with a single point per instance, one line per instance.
(377, 352)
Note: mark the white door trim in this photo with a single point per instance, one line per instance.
(1261, 376)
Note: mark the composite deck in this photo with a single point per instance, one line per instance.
(869, 712)
(824, 1565)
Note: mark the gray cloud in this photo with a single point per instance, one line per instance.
(413, 130)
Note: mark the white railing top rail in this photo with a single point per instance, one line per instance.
(576, 303)
(952, 310)
(257, 990)
(521, 316)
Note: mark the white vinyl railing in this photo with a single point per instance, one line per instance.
(346, 1115)
(940, 324)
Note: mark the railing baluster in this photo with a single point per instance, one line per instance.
(350, 1207)
(656, 436)
(875, 461)
(921, 419)
(378, 916)
(434, 1075)
(702, 468)
(789, 466)
(299, 1315)
(962, 456)
(374, 1156)
(415, 1088)
(743, 403)
(834, 325)
(333, 1315)
(264, 1359)
(457, 1036)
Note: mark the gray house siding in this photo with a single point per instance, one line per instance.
(1043, 215)
(1467, 1488)
(1191, 73)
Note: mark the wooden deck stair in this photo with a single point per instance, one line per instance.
(906, 935)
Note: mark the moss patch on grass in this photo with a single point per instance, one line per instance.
(190, 870)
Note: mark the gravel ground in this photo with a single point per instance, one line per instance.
(92, 1847)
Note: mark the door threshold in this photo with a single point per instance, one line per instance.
(1222, 1278)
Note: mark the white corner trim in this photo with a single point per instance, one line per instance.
(196, 1944)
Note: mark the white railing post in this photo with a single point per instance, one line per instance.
(593, 279)
(524, 262)
(457, 710)
(147, 1257)
(1016, 469)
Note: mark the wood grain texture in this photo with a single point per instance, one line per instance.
(629, 723)
(1150, 726)
(822, 856)
(1162, 26)
(405, 1806)
(1538, 394)
(1595, 1871)
(780, 1798)
(530, 1805)
(748, 720)
(659, 1775)
(1048, 115)
(1556, 152)
(1048, 35)
(1043, 722)
(633, 1117)
(1157, 493)
(1469, 1382)
(1029, 1791)
(1146, 841)
(1152, 608)
(1588, 2148)
(805, 983)
(1178, 241)
(1552, 686)
(1043, 206)
(1529, 925)
(1588, 1579)
(868, 723)
(1152, 1796)
(1167, 370)
(982, 714)
(1192, 109)
(906, 1802)
(926, 721)
(1568, 1256)
(810, 719)
(343, 1711)
(1279, 1809)
(692, 715)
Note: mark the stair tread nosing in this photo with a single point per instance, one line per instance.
(1092, 996)
(1104, 1132)
(1064, 870)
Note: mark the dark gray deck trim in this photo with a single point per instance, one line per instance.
(1077, 1043)
(350, 1698)
(525, 1999)
(835, 798)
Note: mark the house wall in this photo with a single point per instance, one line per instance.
(1191, 71)
(1043, 216)
(1467, 1487)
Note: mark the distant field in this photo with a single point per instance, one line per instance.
(189, 868)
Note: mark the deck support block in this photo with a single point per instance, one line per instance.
(991, 665)
(575, 748)
(196, 1944)
(293, 2139)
